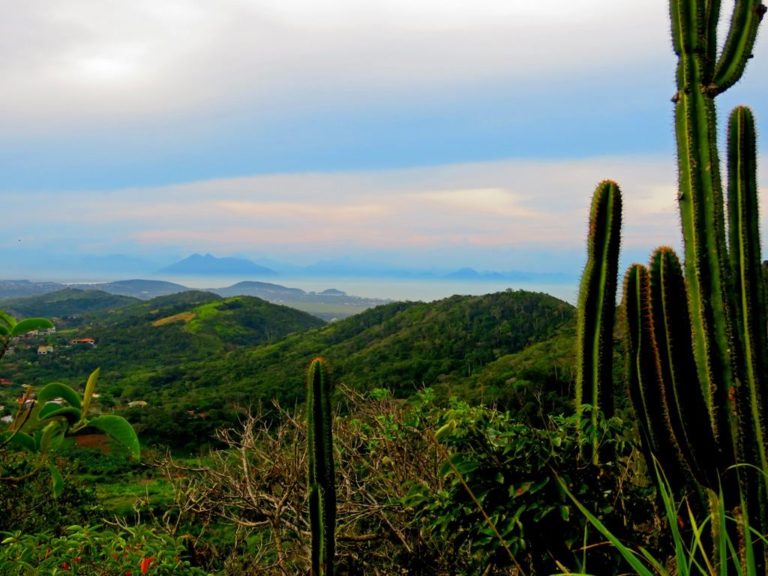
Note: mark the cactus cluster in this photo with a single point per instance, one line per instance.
(696, 334)
(321, 476)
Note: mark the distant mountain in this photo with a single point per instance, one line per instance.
(144, 289)
(472, 274)
(264, 290)
(24, 288)
(209, 265)
(330, 304)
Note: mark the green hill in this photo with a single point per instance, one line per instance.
(138, 339)
(402, 346)
(66, 303)
(198, 360)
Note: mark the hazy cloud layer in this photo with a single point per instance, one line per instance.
(488, 215)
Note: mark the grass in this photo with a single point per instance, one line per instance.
(695, 558)
(125, 496)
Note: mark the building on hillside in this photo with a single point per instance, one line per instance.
(44, 350)
(89, 341)
(138, 404)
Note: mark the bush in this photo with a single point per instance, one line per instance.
(95, 550)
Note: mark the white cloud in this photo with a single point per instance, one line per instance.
(90, 63)
(496, 205)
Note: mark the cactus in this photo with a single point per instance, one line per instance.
(597, 305)
(321, 480)
(697, 337)
(701, 76)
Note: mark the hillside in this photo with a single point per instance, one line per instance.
(199, 360)
(67, 303)
(136, 339)
(400, 346)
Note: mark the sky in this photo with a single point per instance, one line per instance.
(431, 134)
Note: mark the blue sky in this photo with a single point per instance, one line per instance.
(427, 133)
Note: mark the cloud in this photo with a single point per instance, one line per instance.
(86, 64)
(485, 211)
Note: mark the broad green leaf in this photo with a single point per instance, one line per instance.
(89, 388)
(31, 324)
(37, 437)
(119, 430)
(53, 410)
(52, 436)
(57, 482)
(7, 322)
(20, 440)
(59, 390)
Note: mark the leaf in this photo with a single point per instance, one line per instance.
(52, 436)
(59, 390)
(53, 410)
(89, 387)
(20, 440)
(57, 482)
(7, 322)
(30, 325)
(119, 430)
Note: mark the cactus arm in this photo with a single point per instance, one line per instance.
(701, 213)
(685, 407)
(749, 296)
(641, 368)
(739, 43)
(711, 18)
(597, 303)
(685, 17)
(321, 476)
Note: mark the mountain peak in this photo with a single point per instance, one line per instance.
(210, 265)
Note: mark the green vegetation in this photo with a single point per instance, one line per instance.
(448, 444)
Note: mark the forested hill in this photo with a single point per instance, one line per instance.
(133, 340)
(401, 346)
(68, 302)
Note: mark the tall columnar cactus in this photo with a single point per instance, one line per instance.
(701, 76)
(697, 336)
(597, 305)
(321, 476)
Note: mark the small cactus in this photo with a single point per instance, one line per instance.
(321, 475)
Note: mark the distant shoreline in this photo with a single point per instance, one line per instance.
(380, 288)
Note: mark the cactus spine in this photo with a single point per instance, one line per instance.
(597, 306)
(321, 476)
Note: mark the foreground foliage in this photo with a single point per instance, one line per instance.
(420, 490)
